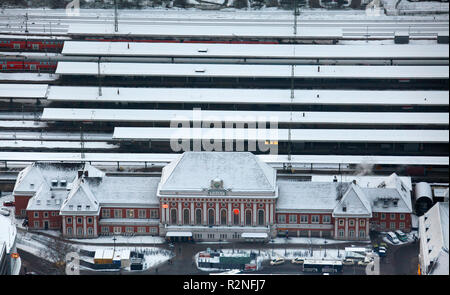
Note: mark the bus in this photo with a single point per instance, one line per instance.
(329, 266)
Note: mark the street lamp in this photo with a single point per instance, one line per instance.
(325, 242)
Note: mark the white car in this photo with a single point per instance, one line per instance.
(366, 261)
(277, 261)
(348, 261)
(298, 260)
(4, 211)
(392, 238)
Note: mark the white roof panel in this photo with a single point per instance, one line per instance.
(135, 115)
(307, 135)
(254, 50)
(237, 96)
(262, 71)
(23, 90)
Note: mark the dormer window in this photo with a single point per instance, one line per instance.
(88, 207)
(63, 183)
(54, 183)
(79, 207)
(38, 202)
(31, 185)
(48, 202)
(58, 201)
(71, 207)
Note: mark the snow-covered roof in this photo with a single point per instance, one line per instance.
(254, 50)
(140, 115)
(23, 90)
(363, 181)
(433, 233)
(253, 71)
(304, 195)
(423, 189)
(32, 177)
(81, 200)
(8, 233)
(131, 190)
(353, 203)
(239, 172)
(382, 200)
(236, 96)
(235, 32)
(306, 135)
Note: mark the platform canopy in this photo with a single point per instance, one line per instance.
(179, 234)
(254, 235)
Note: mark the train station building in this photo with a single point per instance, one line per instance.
(207, 196)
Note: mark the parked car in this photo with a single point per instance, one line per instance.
(348, 261)
(366, 261)
(401, 236)
(277, 261)
(298, 260)
(392, 238)
(384, 245)
(382, 251)
(4, 211)
(9, 204)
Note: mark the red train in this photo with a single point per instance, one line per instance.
(21, 63)
(24, 44)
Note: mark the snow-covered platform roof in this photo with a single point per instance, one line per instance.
(270, 159)
(238, 96)
(253, 71)
(136, 49)
(23, 90)
(234, 32)
(297, 135)
(135, 115)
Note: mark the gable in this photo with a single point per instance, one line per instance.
(353, 203)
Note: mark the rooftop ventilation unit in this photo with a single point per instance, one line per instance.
(200, 70)
(203, 50)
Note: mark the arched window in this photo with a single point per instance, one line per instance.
(69, 231)
(198, 216)
(173, 216)
(223, 217)
(211, 216)
(79, 231)
(90, 231)
(186, 216)
(236, 218)
(260, 217)
(248, 217)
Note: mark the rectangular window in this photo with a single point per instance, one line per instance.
(154, 230)
(117, 229)
(341, 222)
(141, 230)
(281, 218)
(36, 224)
(69, 220)
(392, 216)
(45, 214)
(130, 213)
(383, 216)
(402, 216)
(326, 219)
(79, 220)
(315, 219)
(402, 225)
(292, 218)
(89, 220)
(154, 214)
(392, 225)
(129, 229)
(362, 234)
(105, 213)
(303, 218)
(117, 213)
(362, 222)
(351, 233)
(142, 213)
(105, 229)
(341, 233)
(351, 222)
(383, 225)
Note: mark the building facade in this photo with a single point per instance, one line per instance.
(207, 196)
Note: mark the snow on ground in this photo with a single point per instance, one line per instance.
(28, 77)
(124, 240)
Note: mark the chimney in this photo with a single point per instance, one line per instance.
(354, 181)
(335, 179)
(86, 173)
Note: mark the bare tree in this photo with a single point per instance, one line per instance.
(56, 253)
